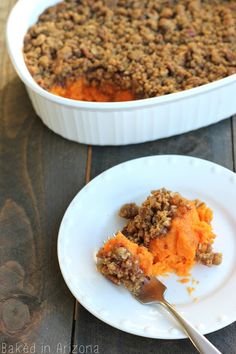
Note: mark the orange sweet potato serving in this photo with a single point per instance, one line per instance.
(166, 234)
(176, 251)
(81, 90)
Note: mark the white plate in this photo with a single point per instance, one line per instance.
(93, 216)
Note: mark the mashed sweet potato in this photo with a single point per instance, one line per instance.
(166, 234)
(176, 251)
(81, 90)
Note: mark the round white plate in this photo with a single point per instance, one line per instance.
(93, 216)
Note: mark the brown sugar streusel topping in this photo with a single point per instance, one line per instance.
(150, 47)
(121, 267)
(206, 256)
(153, 219)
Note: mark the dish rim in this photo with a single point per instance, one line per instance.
(28, 80)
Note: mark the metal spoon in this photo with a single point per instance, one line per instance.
(153, 291)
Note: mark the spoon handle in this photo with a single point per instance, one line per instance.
(200, 342)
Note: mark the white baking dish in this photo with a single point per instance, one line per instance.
(117, 123)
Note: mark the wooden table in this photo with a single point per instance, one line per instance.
(40, 174)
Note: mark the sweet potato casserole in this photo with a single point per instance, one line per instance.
(130, 49)
(166, 234)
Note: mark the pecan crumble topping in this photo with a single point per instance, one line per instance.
(153, 218)
(121, 267)
(149, 47)
(206, 256)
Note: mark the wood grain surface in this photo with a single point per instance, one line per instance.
(234, 140)
(40, 174)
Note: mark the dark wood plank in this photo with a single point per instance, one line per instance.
(40, 174)
(234, 140)
(213, 143)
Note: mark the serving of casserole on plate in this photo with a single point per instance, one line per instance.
(86, 224)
